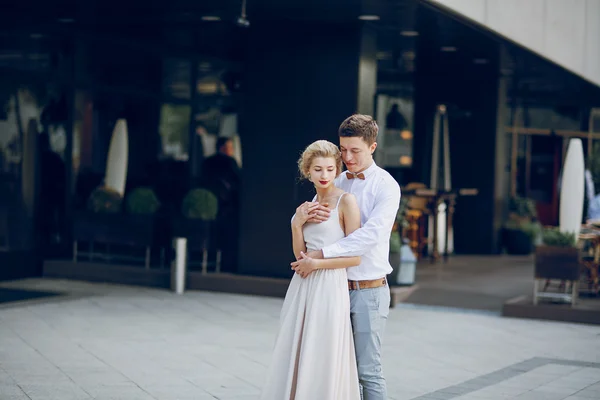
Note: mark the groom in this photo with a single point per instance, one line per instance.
(378, 196)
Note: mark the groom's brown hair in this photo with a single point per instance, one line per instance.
(359, 125)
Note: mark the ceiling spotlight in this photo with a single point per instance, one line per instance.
(384, 55)
(242, 20)
(211, 18)
(409, 33)
(448, 49)
(409, 55)
(369, 17)
(204, 66)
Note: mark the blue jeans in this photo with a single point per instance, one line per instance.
(369, 309)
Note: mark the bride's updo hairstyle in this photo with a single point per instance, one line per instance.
(320, 148)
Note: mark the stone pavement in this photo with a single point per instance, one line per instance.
(118, 342)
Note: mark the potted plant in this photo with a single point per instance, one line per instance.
(397, 247)
(142, 201)
(394, 258)
(557, 258)
(522, 230)
(104, 200)
(104, 222)
(198, 210)
(137, 224)
(90, 225)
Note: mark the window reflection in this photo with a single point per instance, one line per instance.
(395, 118)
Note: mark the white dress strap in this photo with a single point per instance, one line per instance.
(339, 199)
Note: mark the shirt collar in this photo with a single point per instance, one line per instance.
(371, 170)
(367, 172)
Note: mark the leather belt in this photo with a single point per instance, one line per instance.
(375, 283)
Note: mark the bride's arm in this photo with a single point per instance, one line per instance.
(298, 242)
(350, 216)
(304, 212)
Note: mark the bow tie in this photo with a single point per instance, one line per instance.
(360, 175)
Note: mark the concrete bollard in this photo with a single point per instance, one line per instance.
(179, 265)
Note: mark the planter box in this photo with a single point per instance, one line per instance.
(392, 278)
(516, 242)
(117, 229)
(557, 263)
(126, 229)
(200, 238)
(403, 274)
(560, 263)
(197, 232)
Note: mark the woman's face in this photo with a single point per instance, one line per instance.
(322, 171)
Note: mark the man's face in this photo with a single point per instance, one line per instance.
(356, 153)
(227, 148)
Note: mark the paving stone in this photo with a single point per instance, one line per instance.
(119, 342)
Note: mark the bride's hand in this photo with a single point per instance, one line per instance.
(305, 212)
(305, 265)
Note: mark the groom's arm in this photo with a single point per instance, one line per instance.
(377, 226)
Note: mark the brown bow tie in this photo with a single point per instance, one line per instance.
(360, 175)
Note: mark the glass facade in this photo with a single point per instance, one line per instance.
(61, 94)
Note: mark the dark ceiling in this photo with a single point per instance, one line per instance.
(536, 79)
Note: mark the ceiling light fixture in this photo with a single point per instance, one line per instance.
(449, 49)
(204, 66)
(384, 55)
(211, 18)
(409, 55)
(409, 33)
(481, 61)
(369, 17)
(242, 20)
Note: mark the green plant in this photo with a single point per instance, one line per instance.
(395, 242)
(200, 204)
(532, 228)
(593, 164)
(142, 200)
(552, 236)
(104, 200)
(522, 207)
(401, 220)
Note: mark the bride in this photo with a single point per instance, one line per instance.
(314, 356)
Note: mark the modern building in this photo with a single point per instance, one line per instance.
(275, 76)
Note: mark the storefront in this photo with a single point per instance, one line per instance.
(178, 76)
(64, 87)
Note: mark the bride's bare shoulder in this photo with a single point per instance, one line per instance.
(348, 202)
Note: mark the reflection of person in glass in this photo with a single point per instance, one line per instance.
(395, 119)
(221, 175)
(52, 190)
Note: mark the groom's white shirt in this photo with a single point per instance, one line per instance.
(378, 197)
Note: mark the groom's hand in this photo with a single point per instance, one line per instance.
(320, 214)
(305, 265)
(316, 254)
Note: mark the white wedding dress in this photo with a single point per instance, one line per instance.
(314, 355)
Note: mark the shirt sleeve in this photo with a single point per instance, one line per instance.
(377, 228)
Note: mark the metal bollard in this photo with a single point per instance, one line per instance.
(179, 265)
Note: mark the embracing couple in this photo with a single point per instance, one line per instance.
(334, 313)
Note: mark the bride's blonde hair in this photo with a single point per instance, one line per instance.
(320, 148)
